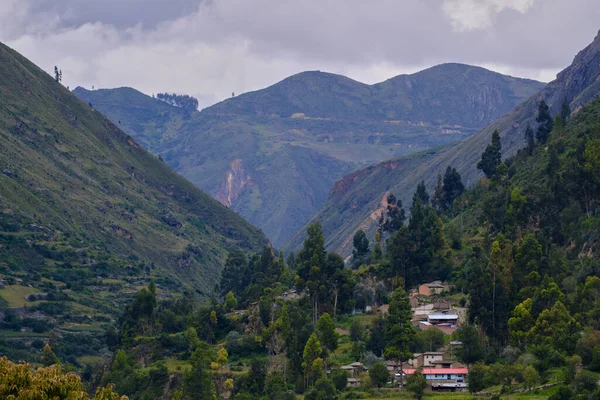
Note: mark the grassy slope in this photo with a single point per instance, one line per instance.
(293, 162)
(81, 200)
(356, 197)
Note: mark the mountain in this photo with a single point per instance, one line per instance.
(358, 198)
(272, 155)
(87, 215)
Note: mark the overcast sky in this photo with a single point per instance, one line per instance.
(211, 48)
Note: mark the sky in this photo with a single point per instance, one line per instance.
(212, 48)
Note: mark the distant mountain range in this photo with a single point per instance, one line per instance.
(83, 205)
(358, 198)
(273, 155)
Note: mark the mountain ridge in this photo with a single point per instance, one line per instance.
(295, 138)
(354, 208)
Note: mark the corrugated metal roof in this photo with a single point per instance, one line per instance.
(443, 316)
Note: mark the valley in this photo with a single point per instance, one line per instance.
(435, 235)
(312, 128)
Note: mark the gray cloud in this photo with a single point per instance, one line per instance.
(212, 48)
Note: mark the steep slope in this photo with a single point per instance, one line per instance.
(82, 202)
(273, 154)
(356, 200)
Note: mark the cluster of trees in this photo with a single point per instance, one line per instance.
(417, 251)
(21, 382)
(179, 100)
(532, 278)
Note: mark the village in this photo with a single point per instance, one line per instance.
(431, 309)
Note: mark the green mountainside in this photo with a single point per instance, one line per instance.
(273, 154)
(357, 199)
(87, 215)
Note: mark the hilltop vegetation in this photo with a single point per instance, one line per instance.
(272, 155)
(87, 217)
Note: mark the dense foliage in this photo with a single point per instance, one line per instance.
(179, 100)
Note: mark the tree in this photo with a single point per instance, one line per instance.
(326, 332)
(21, 382)
(546, 122)
(177, 100)
(379, 375)
(324, 390)
(400, 251)
(395, 214)
(57, 74)
(529, 140)
(421, 194)
(361, 247)
(416, 384)
(471, 350)
(557, 328)
(437, 201)
(197, 383)
(48, 356)
(491, 156)
(531, 377)
(399, 330)
(340, 379)
(476, 377)
(230, 301)
(565, 110)
(312, 358)
(357, 332)
(234, 277)
(453, 187)
(311, 260)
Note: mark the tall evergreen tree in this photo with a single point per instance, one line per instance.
(399, 330)
(311, 260)
(437, 201)
(395, 214)
(491, 157)
(360, 247)
(421, 194)
(565, 110)
(198, 383)
(453, 187)
(546, 122)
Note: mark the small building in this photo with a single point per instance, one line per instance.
(426, 359)
(442, 305)
(437, 319)
(451, 379)
(428, 289)
(354, 369)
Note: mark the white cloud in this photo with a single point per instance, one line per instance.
(225, 46)
(467, 15)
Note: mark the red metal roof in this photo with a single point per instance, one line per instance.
(439, 371)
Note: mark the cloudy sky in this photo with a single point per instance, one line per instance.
(211, 48)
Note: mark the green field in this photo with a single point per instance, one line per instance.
(15, 295)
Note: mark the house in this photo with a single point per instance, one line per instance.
(425, 359)
(442, 305)
(428, 289)
(437, 319)
(354, 369)
(452, 379)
